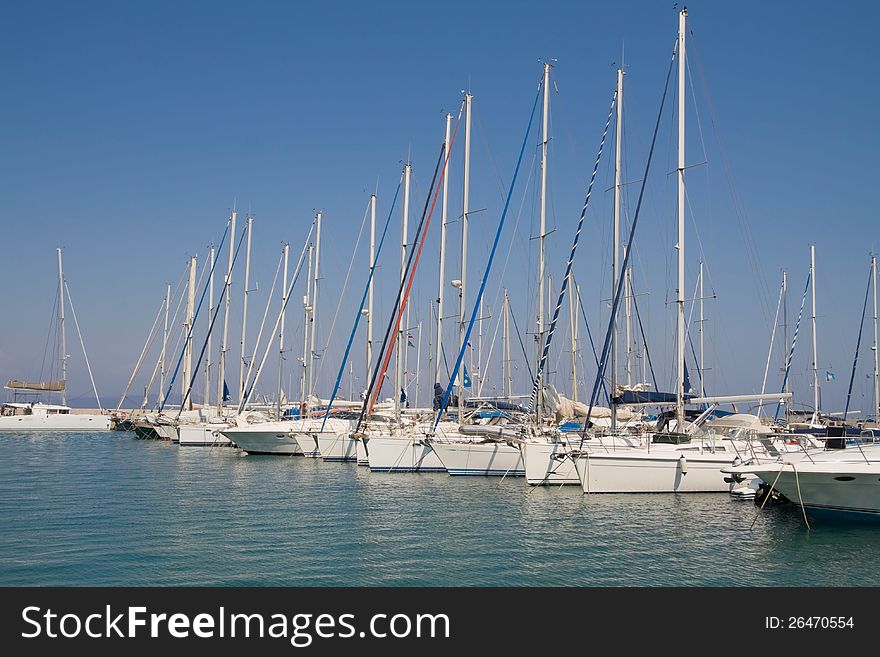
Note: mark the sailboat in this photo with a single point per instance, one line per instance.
(684, 459)
(40, 416)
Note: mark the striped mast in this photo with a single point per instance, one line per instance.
(536, 386)
(794, 338)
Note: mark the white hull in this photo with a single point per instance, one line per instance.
(480, 459)
(548, 464)
(832, 482)
(337, 447)
(390, 454)
(663, 469)
(257, 439)
(308, 445)
(57, 422)
(197, 435)
(361, 453)
(166, 432)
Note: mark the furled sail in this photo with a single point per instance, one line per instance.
(36, 386)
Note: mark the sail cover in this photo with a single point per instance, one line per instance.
(37, 386)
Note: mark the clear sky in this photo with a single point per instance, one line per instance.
(129, 129)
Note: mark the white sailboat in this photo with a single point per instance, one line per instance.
(39, 416)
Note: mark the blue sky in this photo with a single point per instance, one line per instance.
(128, 130)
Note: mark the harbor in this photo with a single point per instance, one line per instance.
(577, 324)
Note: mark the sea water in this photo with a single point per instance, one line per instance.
(108, 509)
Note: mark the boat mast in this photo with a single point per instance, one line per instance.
(442, 281)
(304, 359)
(314, 309)
(785, 326)
(370, 295)
(573, 324)
(627, 297)
(187, 326)
(221, 373)
(876, 361)
(247, 277)
(398, 378)
(679, 378)
(211, 257)
(815, 357)
(506, 336)
(462, 287)
(285, 250)
(615, 257)
(543, 234)
(164, 345)
(61, 329)
(702, 367)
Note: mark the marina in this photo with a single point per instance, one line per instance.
(105, 509)
(530, 338)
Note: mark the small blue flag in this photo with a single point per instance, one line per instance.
(226, 396)
(466, 378)
(829, 376)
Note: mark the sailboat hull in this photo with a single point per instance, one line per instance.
(198, 435)
(389, 454)
(257, 440)
(480, 459)
(337, 447)
(657, 471)
(59, 422)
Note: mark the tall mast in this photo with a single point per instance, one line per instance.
(627, 297)
(285, 250)
(211, 256)
(303, 393)
(314, 307)
(543, 232)
(190, 312)
(507, 377)
(164, 346)
(442, 280)
(221, 373)
(247, 278)
(702, 367)
(462, 288)
(785, 335)
(398, 378)
(61, 329)
(679, 358)
(615, 256)
(370, 296)
(876, 361)
(573, 325)
(815, 357)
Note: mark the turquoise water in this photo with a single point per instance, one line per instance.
(107, 509)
